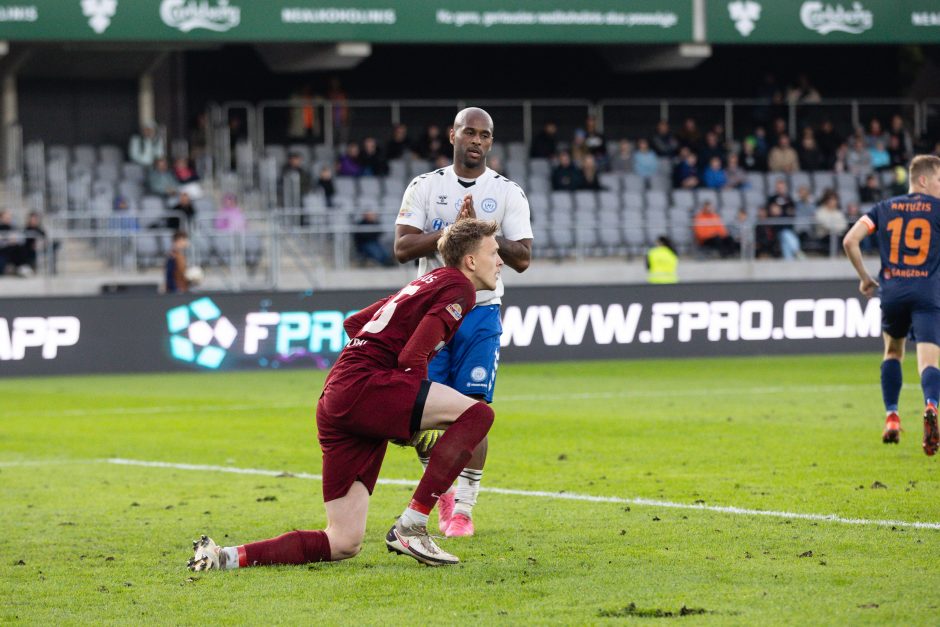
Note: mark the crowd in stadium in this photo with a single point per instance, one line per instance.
(762, 194)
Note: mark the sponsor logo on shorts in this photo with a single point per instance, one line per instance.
(478, 374)
(488, 205)
(455, 310)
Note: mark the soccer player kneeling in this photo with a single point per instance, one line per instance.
(377, 391)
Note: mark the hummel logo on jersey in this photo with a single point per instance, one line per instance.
(442, 200)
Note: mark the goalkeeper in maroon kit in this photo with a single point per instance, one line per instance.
(377, 391)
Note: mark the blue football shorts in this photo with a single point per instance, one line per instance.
(919, 321)
(468, 362)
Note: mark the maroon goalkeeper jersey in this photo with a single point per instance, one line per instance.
(445, 293)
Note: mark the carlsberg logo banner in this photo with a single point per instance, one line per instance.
(826, 18)
(187, 15)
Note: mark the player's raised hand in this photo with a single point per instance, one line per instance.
(466, 208)
(867, 286)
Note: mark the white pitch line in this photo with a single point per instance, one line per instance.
(509, 398)
(569, 496)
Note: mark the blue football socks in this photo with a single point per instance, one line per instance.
(891, 383)
(930, 383)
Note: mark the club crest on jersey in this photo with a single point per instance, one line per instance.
(442, 200)
(488, 205)
(455, 310)
(478, 374)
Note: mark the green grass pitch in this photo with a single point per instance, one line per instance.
(87, 541)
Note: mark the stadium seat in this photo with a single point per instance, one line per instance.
(585, 201)
(398, 169)
(516, 169)
(845, 180)
(324, 153)
(345, 186)
(394, 187)
(754, 199)
(730, 199)
(419, 166)
(609, 181)
(562, 200)
(656, 200)
(799, 179)
(608, 230)
(633, 231)
(822, 181)
(633, 200)
(538, 205)
(633, 182)
(539, 185)
(755, 182)
(370, 187)
(540, 167)
(517, 151)
(706, 195)
(110, 153)
(133, 172)
(107, 172)
(683, 198)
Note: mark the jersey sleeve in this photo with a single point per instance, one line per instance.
(453, 301)
(517, 224)
(414, 205)
(870, 219)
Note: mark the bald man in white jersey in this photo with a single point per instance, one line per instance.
(432, 202)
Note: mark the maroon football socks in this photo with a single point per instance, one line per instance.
(294, 547)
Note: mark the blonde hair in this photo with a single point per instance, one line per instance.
(463, 238)
(923, 165)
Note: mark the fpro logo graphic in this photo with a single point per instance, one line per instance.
(200, 334)
(744, 14)
(99, 13)
(825, 19)
(187, 15)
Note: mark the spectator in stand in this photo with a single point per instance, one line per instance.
(852, 214)
(199, 136)
(782, 210)
(183, 171)
(896, 154)
(622, 160)
(828, 141)
(303, 119)
(348, 163)
(771, 95)
(710, 232)
(803, 92)
(685, 173)
(905, 144)
(325, 182)
(645, 161)
(295, 165)
(783, 157)
(372, 160)
(664, 143)
(811, 158)
(147, 146)
(880, 159)
(595, 142)
(765, 236)
(545, 144)
(714, 176)
(160, 180)
(431, 144)
(840, 162)
(689, 136)
(830, 224)
(399, 146)
(367, 241)
(566, 176)
(578, 146)
(742, 231)
(858, 158)
(737, 176)
(871, 191)
(184, 207)
(778, 130)
(340, 108)
(175, 267)
(762, 144)
(230, 218)
(712, 148)
(899, 186)
(875, 134)
(750, 159)
(589, 178)
(804, 213)
(10, 242)
(35, 242)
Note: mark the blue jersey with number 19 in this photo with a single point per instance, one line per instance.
(908, 233)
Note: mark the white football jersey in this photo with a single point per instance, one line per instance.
(432, 202)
